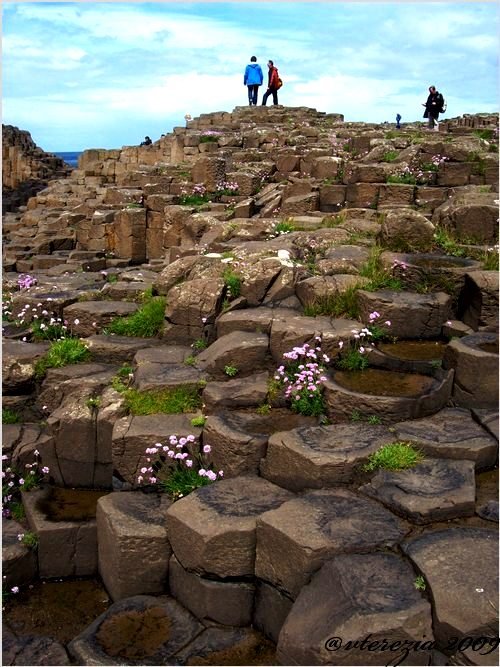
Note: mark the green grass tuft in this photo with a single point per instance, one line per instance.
(165, 401)
(10, 416)
(394, 456)
(146, 322)
(62, 353)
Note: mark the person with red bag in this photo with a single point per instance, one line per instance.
(273, 85)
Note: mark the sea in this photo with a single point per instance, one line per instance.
(70, 157)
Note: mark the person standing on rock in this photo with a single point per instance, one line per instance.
(272, 85)
(253, 78)
(433, 108)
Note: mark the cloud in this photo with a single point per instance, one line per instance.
(109, 72)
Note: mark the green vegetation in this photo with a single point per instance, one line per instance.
(390, 156)
(406, 179)
(200, 344)
(285, 226)
(419, 583)
(263, 409)
(335, 305)
(182, 481)
(30, 540)
(486, 134)
(490, 259)
(93, 403)
(62, 353)
(394, 456)
(190, 360)
(198, 421)
(165, 401)
(17, 511)
(209, 139)
(446, 242)
(378, 275)
(357, 416)
(230, 370)
(352, 360)
(232, 281)
(144, 323)
(332, 221)
(10, 416)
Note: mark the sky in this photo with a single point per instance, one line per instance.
(81, 75)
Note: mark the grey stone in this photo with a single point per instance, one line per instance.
(434, 490)
(19, 563)
(32, 650)
(133, 548)
(226, 602)
(463, 586)
(368, 597)
(237, 393)
(93, 316)
(270, 610)
(212, 531)
(294, 540)
(245, 351)
(140, 630)
(450, 433)
(319, 456)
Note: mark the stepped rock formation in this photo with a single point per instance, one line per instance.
(251, 233)
(26, 169)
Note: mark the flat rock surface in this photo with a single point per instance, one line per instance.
(294, 540)
(434, 490)
(353, 597)
(117, 349)
(460, 567)
(318, 456)
(451, 433)
(141, 630)
(212, 531)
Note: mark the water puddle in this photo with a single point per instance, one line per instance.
(70, 504)
(414, 350)
(59, 609)
(378, 382)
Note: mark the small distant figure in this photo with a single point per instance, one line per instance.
(398, 121)
(433, 107)
(147, 142)
(273, 84)
(253, 78)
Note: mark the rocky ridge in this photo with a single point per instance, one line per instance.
(254, 225)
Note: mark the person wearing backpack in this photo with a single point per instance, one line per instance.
(433, 107)
(274, 83)
(253, 78)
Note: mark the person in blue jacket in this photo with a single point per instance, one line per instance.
(253, 79)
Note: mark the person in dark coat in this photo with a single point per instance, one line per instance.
(433, 108)
(253, 78)
(147, 142)
(272, 85)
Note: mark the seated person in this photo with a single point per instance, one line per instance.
(147, 142)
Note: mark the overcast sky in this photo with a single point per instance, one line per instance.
(83, 74)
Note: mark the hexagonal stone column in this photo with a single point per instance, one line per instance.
(318, 456)
(369, 601)
(295, 540)
(133, 548)
(460, 566)
(452, 434)
(270, 610)
(229, 603)
(212, 531)
(137, 631)
(434, 490)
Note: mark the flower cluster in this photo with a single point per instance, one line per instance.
(13, 482)
(177, 468)
(227, 188)
(434, 164)
(44, 325)
(354, 355)
(199, 189)
(25, 281)
(302, 378)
